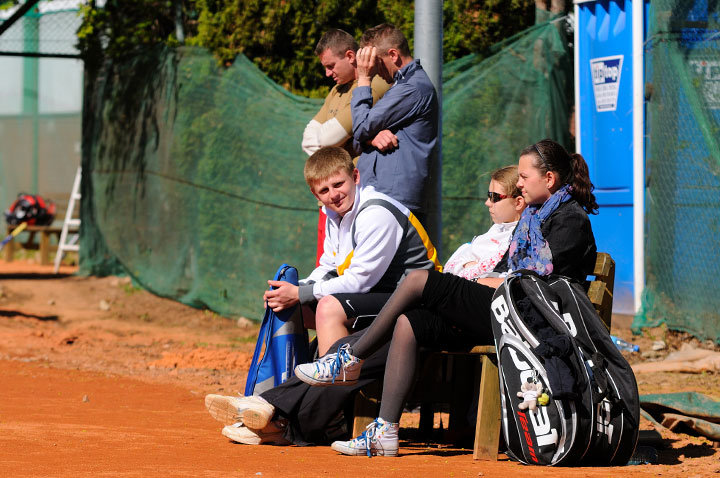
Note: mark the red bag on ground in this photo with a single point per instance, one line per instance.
(32, 209)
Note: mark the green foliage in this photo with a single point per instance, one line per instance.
(5, 4)
(122, 28)
(131, 288)
(473, 26)
(279, 36)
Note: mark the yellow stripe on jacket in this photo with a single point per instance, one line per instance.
(431, 252)
(346, 263)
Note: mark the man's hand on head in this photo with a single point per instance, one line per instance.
(385, 140)
(284, 296)
(366, 58)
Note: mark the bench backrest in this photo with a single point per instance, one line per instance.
(601, 288)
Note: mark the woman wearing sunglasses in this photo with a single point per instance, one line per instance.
(505, 203)
(435, 310)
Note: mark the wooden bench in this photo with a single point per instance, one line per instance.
(443, 379)
(44, 245)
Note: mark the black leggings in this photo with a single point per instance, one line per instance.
(455, 302)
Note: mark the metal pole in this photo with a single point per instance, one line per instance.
(179, 31)
(428, 48)
(638, 34)
(576, 76)
(30, 94)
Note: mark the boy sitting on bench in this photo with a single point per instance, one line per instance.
(372, 242)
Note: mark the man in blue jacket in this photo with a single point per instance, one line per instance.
(397, 135)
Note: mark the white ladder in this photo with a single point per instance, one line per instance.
(64, 244)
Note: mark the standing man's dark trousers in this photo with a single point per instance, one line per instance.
(316, 414)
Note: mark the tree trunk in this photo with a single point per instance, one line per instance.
(556, 6)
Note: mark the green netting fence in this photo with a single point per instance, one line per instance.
(683, 169)
(193, 173)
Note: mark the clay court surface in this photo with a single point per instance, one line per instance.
(99, 378)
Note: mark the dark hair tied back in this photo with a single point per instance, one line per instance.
(571, 168)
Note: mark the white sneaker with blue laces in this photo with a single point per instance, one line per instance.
(380, 438)
(340, 368)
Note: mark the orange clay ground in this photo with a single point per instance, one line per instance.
(98, 378)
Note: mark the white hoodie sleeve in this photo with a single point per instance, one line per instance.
(378, 236)
(326, 268)
(318, 135)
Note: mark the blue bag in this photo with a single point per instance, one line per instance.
(282, 341)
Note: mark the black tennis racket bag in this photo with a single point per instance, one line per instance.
(568, 396)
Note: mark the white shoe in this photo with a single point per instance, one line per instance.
(380, 438)
(339, 368)
(253, 411)
(271, 434)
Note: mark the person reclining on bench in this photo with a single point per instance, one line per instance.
(295, 412)
(479, 257)
(430, 309)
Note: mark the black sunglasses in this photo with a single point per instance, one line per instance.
(495, 197)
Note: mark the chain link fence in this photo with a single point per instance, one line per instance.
(48, 29)
(683, 169)
(41, 81)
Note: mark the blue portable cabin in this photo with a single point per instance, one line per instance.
(609, 125)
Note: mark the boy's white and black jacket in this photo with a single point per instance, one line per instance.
(372, 247)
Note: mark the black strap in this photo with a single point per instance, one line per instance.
(600, 377)
(399, 216)
(602, 382)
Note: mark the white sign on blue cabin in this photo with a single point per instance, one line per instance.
(605, 73)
